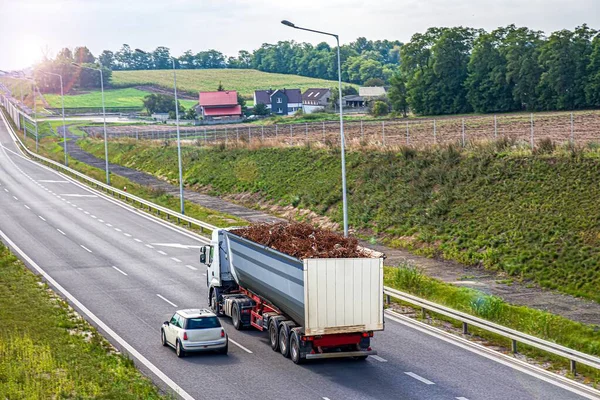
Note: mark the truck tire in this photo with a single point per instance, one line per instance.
(274, 331)
(236, 317)
(295, 349)
(214, 305)
(360, 358)
(284, 338)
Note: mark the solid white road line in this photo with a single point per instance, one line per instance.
(192, 267)
(119, 270)
(325, 398)
(419, 378)
(161, 375)
(61, 232)
(85, 248)
(162, 252)
(171, 303)
(240, 346)
(78, 195)
(50, 181)
(380, 359)
(461, 398)
(42, 218)
(27, 207)
(175, 259)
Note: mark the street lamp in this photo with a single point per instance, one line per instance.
(181, 200)
(34, 112)
(103, 116)
(342, 143)
(62, 96)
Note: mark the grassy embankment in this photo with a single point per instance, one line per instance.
(47, 351)
(530, 216)
(245, 81)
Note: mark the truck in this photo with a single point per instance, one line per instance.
(312, 308)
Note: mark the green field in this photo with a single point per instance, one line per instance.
(48, 352)
(245, 81)
(128, 97)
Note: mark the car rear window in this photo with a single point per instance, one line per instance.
(203, 323)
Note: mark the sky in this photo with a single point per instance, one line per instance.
(30, 29)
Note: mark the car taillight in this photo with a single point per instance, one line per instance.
(185, 336)
(222, 333)
(365, 334)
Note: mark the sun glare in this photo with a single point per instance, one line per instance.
(29, 50)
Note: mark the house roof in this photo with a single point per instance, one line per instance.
(223, 111)
(353, 97)
(264, 96)
(222, 98)
(371, 91)
(315, 94)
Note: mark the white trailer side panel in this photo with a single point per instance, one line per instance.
(343, 295)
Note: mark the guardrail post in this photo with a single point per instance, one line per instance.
(423, 313)
(465, 327)
(388, 299)
(514, 346)
(573, 367)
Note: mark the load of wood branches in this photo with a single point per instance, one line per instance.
(302, 240)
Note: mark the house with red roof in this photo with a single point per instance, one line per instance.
(220, 105)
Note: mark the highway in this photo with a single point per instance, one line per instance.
(132, 271)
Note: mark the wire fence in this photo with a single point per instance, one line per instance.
(529, 129)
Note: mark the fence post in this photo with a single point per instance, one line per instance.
(276, 129)
(237, 134)
(225, 137)
(407, 136)
(291, 132)
(572, 131)
(205, 136)
(383, 131)
(323, 130)
(434, 133)
(531, 131)
(306, 130)
(262, 133)
(362, 131)
(249, 136)
(463, 132)
(215, 135)
(495, 127)
(137, 136)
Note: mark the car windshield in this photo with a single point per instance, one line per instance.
(203, 323)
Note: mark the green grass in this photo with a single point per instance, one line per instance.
(537, 323)
(47, 351)
(245, 81)
(532, 216)
(128, 97)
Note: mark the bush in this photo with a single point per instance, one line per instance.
(380, 108)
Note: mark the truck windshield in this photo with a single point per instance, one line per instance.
(203, 323)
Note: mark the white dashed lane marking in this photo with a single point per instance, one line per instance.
(124, 273)
(137, 240)
(419, 378)
(27, 207)
(15, 197)
(127, 234)
(162, 252)
(380, 359)
(175, 259)
(149, 246)
(61, 232)
(85, 248)
(165, 299)
(42, 218)
(192, 267)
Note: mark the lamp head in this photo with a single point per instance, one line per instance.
(288, 23)
(140, 51)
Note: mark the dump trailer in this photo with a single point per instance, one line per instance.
(312, 308)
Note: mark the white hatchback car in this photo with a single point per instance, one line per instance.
(194, 330)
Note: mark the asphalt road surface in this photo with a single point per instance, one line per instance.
(133, 271)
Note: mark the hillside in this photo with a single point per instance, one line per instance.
(533, 217)
(245, 81)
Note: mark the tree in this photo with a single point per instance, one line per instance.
(65, 54)
(83, 55)
(107, 59)
(159, 103)
(191, 113)
(593, 87)
(220, 88)
(242, 102)
(397, 93)
(380, 108)
(260, 109)
(124, 58)
(371, 82)
(187, 59)
(161, 58)
(347, 90)
(564, 59)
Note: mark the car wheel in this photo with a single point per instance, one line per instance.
(284, 340)
(179, 350)
(295, 349)
(235, 317)
(224, 350)
(274, 335)
(163, 337)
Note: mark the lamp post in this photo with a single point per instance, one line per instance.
(342, 137)
(62, 97)
(181, 199)
(34, 113)
(103, 116)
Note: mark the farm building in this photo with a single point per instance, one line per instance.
(371, 92)
(280, 101)
(353, 101)
(220, 105)
(315, 99)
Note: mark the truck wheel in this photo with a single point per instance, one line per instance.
(274, 335)
(214, 305)
(360, 358)
(284, 340)
(235, 317)
(295, 349)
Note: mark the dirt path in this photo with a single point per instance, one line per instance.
(488, 282)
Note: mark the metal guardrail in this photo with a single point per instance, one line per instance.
(517, 337)
(152, 207)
